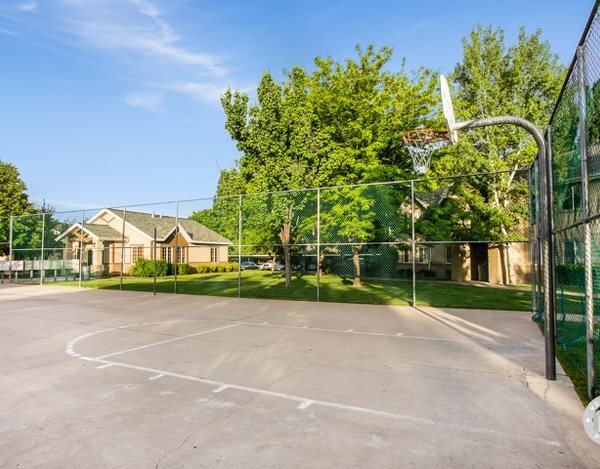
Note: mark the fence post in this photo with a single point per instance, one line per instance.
(587, 232)
(176, 263)
(81, 247)
(154, 257)
(531, 244)
(10, 249)
(548, 257)
(42, 250)
(122, 249)
(318, 244)
(240, 246)
(412, 242)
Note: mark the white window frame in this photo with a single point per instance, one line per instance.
(214, 255)
(181, 254)
(448, 254)
(135, 252)
(167, 253)
(423, 255)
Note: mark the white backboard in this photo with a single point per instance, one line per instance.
(448, 110)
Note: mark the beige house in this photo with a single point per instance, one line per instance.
(108, 244)
(498, 263)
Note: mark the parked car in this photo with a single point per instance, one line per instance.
(269, 266)
(249, 265)
(312, 267)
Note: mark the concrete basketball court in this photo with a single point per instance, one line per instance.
(97, 378)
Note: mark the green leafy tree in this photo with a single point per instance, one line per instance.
(348, 218)
(492, 80)
(13, 200)
(340, 124)
(222, 217)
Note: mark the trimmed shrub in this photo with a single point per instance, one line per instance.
(145, 268)
(209, 268)
(183, 269)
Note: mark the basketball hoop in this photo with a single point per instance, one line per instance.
(421, 143)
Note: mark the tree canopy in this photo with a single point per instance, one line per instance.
(342, 123)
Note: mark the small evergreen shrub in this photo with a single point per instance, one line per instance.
(145, 268)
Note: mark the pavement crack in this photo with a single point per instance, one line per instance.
(199, 429)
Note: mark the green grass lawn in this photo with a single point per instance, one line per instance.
(571, 353)
(388, 291)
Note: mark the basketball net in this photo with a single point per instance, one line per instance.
(421, 143)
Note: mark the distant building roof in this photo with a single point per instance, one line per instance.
(165, 225)
(195, 232)
(103, 232)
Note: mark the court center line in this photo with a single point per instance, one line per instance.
(133, 349)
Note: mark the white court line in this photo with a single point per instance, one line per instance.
(101, 367)
(304, 400)
(397, 335)
(167, 341)
(155, 377)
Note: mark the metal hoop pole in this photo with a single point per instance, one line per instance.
(531, 244)
(545, 158)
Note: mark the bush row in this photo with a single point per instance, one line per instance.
(213, 268)
(145, 268)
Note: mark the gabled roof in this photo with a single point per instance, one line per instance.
(144, 223)
(196, 232)
(102, 232)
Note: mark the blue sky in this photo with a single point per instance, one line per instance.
(105, 102)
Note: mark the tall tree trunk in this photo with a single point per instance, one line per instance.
(284, 235)
(356, 260)
(505, 253)
(288, 267)
(273, 263)
(320, 258)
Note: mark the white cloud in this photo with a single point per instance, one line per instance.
(205, 92)
(139, 29)
(146, 100)
(28, 6)
(136, 40)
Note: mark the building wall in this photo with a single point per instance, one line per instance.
(509, 264)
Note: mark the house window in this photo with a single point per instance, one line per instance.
(166, 253)
(405, 257)
(448, 254)
(137, 252)
(181, 255)
(423, 255)
(214, 254)
(573, 252)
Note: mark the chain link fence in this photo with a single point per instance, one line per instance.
(423, 242)
(573, 137)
